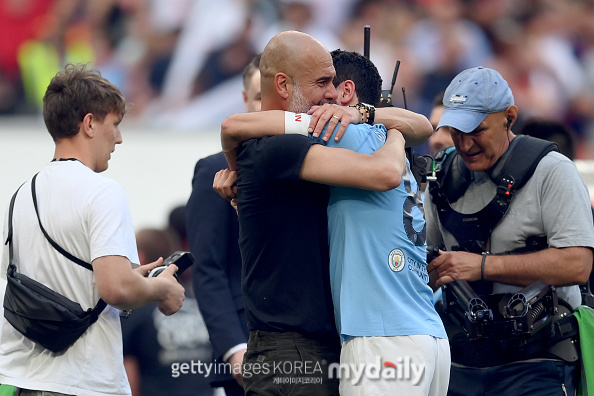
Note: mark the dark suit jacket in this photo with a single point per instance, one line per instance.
(213, 232)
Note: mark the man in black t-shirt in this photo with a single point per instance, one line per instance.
(282, 203)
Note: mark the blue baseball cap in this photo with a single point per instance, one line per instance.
(473, 95)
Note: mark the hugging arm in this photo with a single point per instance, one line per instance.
(240, 127)
(380, 171)
(415, 127)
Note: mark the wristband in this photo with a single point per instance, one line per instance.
(361, 112)
(371, 116)
(367, 112)
(485, 254)
(297, 123)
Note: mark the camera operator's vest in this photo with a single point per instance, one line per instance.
(510, 173)
(472, 231)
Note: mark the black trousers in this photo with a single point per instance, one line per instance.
(289, 364)
(542, 378)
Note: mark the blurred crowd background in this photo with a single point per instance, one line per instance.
(180, 61)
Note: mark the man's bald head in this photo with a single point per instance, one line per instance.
(286, 51)
(299, 59)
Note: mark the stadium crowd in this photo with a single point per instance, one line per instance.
(180, 61)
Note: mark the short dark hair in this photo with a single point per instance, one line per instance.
(354, 66)
(248, 71)
(155, 242)
(75, 92)
(438, 99)
(553, 131)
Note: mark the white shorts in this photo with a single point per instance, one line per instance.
(400, 365)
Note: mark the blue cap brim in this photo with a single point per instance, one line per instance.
(463, 120)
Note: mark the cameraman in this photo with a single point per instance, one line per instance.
(553, 204)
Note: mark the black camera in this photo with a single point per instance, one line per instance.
(183, 260)
(432, 253)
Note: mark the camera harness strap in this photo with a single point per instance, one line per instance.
(12, 267)
(510, 173)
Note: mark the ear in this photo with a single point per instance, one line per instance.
(245, 99)
(283, 84)
(88, 126)
(511, 114)
(346, 93)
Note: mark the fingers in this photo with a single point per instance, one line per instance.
(224, 184)
(442, 269)
(236, 361)
(233, 203)
(170, 270)
(434, 264)
(175, 295)
(332, 115)
(156, 263)
(145, 269)
(170, 307)
(319, 118)
(451, 266)
(344, 123)
(443, 280)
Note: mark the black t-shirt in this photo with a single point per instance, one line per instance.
(283, 239)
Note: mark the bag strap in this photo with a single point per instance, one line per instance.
(95, 312)
(11, 266)
(50, 240)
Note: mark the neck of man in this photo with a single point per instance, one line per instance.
(69, 148)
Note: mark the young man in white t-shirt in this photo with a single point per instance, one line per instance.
(86, 214)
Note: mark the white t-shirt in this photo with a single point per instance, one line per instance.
(86, 214)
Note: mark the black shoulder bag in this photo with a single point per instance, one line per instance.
(39, 313)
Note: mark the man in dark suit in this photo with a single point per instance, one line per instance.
(213, 231)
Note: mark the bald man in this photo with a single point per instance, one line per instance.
(282, 197)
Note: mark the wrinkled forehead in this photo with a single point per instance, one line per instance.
(315, 67)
